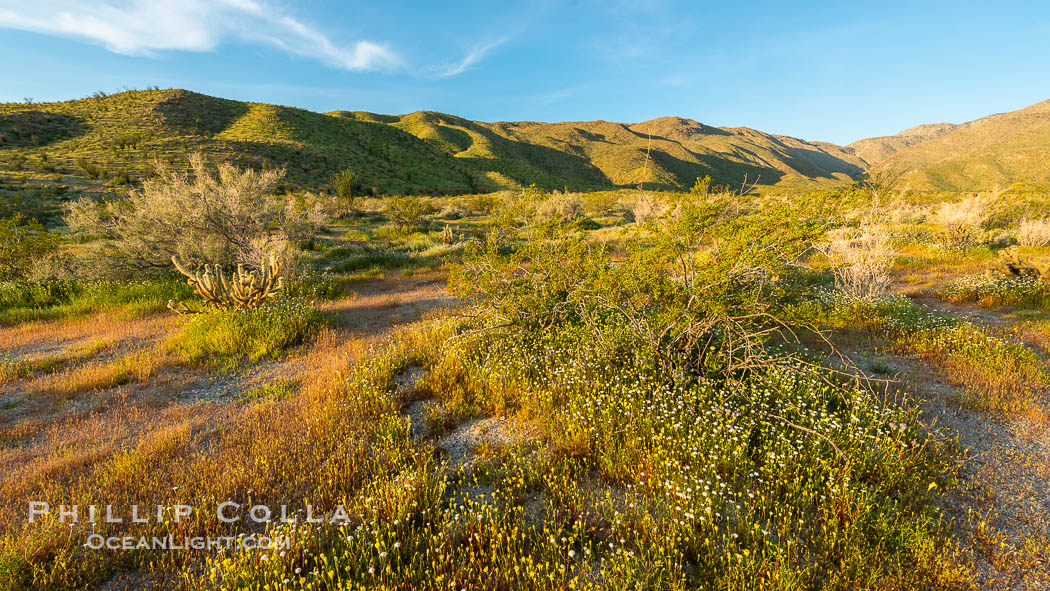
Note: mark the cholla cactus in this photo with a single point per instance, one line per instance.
(243, 291)
(1010, 263)
(448, 236)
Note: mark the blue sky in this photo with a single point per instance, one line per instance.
(833, 71)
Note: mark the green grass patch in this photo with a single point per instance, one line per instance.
(274, 391)
(27, 301)
(225, 338)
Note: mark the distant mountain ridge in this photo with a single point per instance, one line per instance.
(994, 150)
(668, 152)
(121, 136)
(421, 152)
(876, 149)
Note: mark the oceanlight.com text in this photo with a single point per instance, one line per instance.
(99, 542)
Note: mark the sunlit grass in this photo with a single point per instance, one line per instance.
(997, 374)
(23, 302)
(224, 338)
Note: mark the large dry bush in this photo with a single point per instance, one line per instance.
(1033, 232)
(646, 208)
(226, 216)
(559, 207)
(862, 257)
(903, 210)
(969, 211)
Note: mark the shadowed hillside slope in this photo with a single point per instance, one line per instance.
(118, 138)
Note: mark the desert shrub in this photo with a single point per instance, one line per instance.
(39, 203)
(452, 212)
(961, 238)
(224, 217)
(862, 258)
(912, 234)
(92, 170)
(120, 180)
(671, 297)
(1033, 232)
(647, 208)
(486, 203)
(620, 361)
(993, 289)
(224, 338)
(559, 208)
(963, 222)
(904, 210)
(601, 203)
(410, 213)
(970, 211)
(344, 184)
(24, 243)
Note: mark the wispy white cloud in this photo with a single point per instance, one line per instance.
(145, 27)
(475, 55)
(555, 96)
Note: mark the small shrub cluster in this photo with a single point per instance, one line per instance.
(24, 244)
(998, 290)
(601, 203)
(647, 208)
(412, 214)
(959, 238)
(560, 208)
(910, 234)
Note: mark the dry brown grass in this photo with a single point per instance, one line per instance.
(134, 435)
(33, 337)
(969, 211)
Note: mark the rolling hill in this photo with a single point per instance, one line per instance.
(995, 150)
(116, 138)
(668, 153)
(125, 133)
(876, 149)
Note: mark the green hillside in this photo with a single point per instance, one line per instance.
(116, 139)
(599, 154)
(999, 149)
(126, 133)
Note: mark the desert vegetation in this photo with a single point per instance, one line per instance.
(716, 388)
